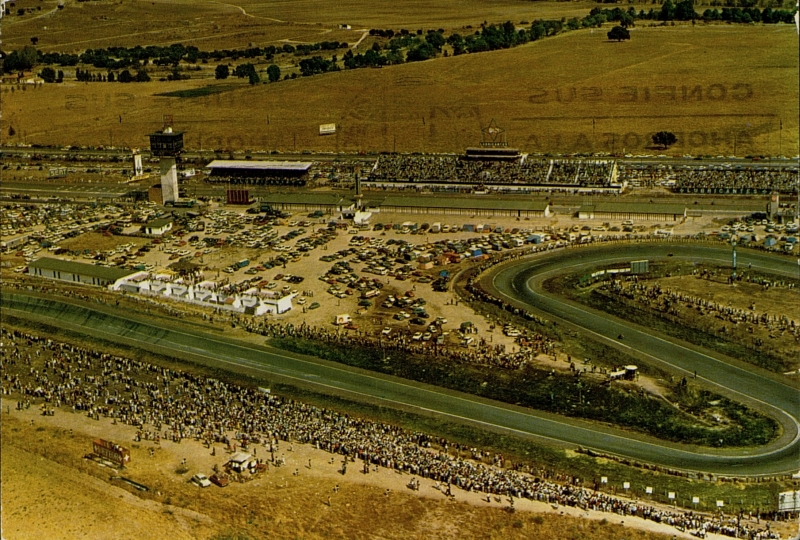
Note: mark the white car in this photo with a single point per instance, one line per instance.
(417, 336)
(201, 480)
(386, 331)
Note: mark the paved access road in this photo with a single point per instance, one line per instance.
(225, 353)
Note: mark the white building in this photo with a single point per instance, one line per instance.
(206, 293)
(158, 227)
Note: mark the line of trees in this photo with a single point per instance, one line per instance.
(683, 11)
(125, 76)
(126, 57)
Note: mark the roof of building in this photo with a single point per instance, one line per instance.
(635, 208)
(492, 203)
(91, 270)
(166, 133)
(240, 457)
(158, 223)
(260, 165)
(301, 198)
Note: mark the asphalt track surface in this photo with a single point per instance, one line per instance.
(520, 281)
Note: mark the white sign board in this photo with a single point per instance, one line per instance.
(789, 501)
(695, 500)
(327, 129)
(604, 479)
(648, 490)
(626, 485)
(720, 504)
(671, 495)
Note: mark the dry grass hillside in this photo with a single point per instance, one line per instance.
(721, 89)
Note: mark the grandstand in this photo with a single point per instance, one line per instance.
(492, 169)
(737, 180)
(285, 173)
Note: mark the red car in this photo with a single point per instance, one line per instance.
(219, 479)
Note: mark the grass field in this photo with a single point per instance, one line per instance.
(213, 24)
(414, 14)
(206, 25)
(573, 93)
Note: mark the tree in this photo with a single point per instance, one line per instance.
(111, 76)
(667, 11)
(125, 76)
(423, 51)
(619, 33)
(626, 20)
(11, 131)
(21, 60)
(48, 74)
(222, 72)
(684, 11)
(273, 73)
(254, 78)
(664, 139)
(244, 70)
(436, 40)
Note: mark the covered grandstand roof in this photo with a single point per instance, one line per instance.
(83, 269)
(302, 198)
(235, 164)
(634, 208)
(492, 153)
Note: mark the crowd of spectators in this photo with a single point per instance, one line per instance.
(741, 181)
(483, 352)
(667, 300)
(460, 170)
(171, 405)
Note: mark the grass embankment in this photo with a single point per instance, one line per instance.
(565, 394)
(691, 328)
(552, 460)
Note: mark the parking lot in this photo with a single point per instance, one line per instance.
(388, 277)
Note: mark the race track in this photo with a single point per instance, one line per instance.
(519, 282)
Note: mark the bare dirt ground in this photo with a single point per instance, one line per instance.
(49, 491)
(100, 242)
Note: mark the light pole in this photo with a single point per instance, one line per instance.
(733, 246)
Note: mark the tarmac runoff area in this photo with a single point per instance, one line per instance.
(780, 457)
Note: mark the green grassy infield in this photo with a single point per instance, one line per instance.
(560, 393)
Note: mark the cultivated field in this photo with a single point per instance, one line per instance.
(720, 89)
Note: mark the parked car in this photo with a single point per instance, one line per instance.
(219, 479)
(201, 480)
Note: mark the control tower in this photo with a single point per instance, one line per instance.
(168, 145)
